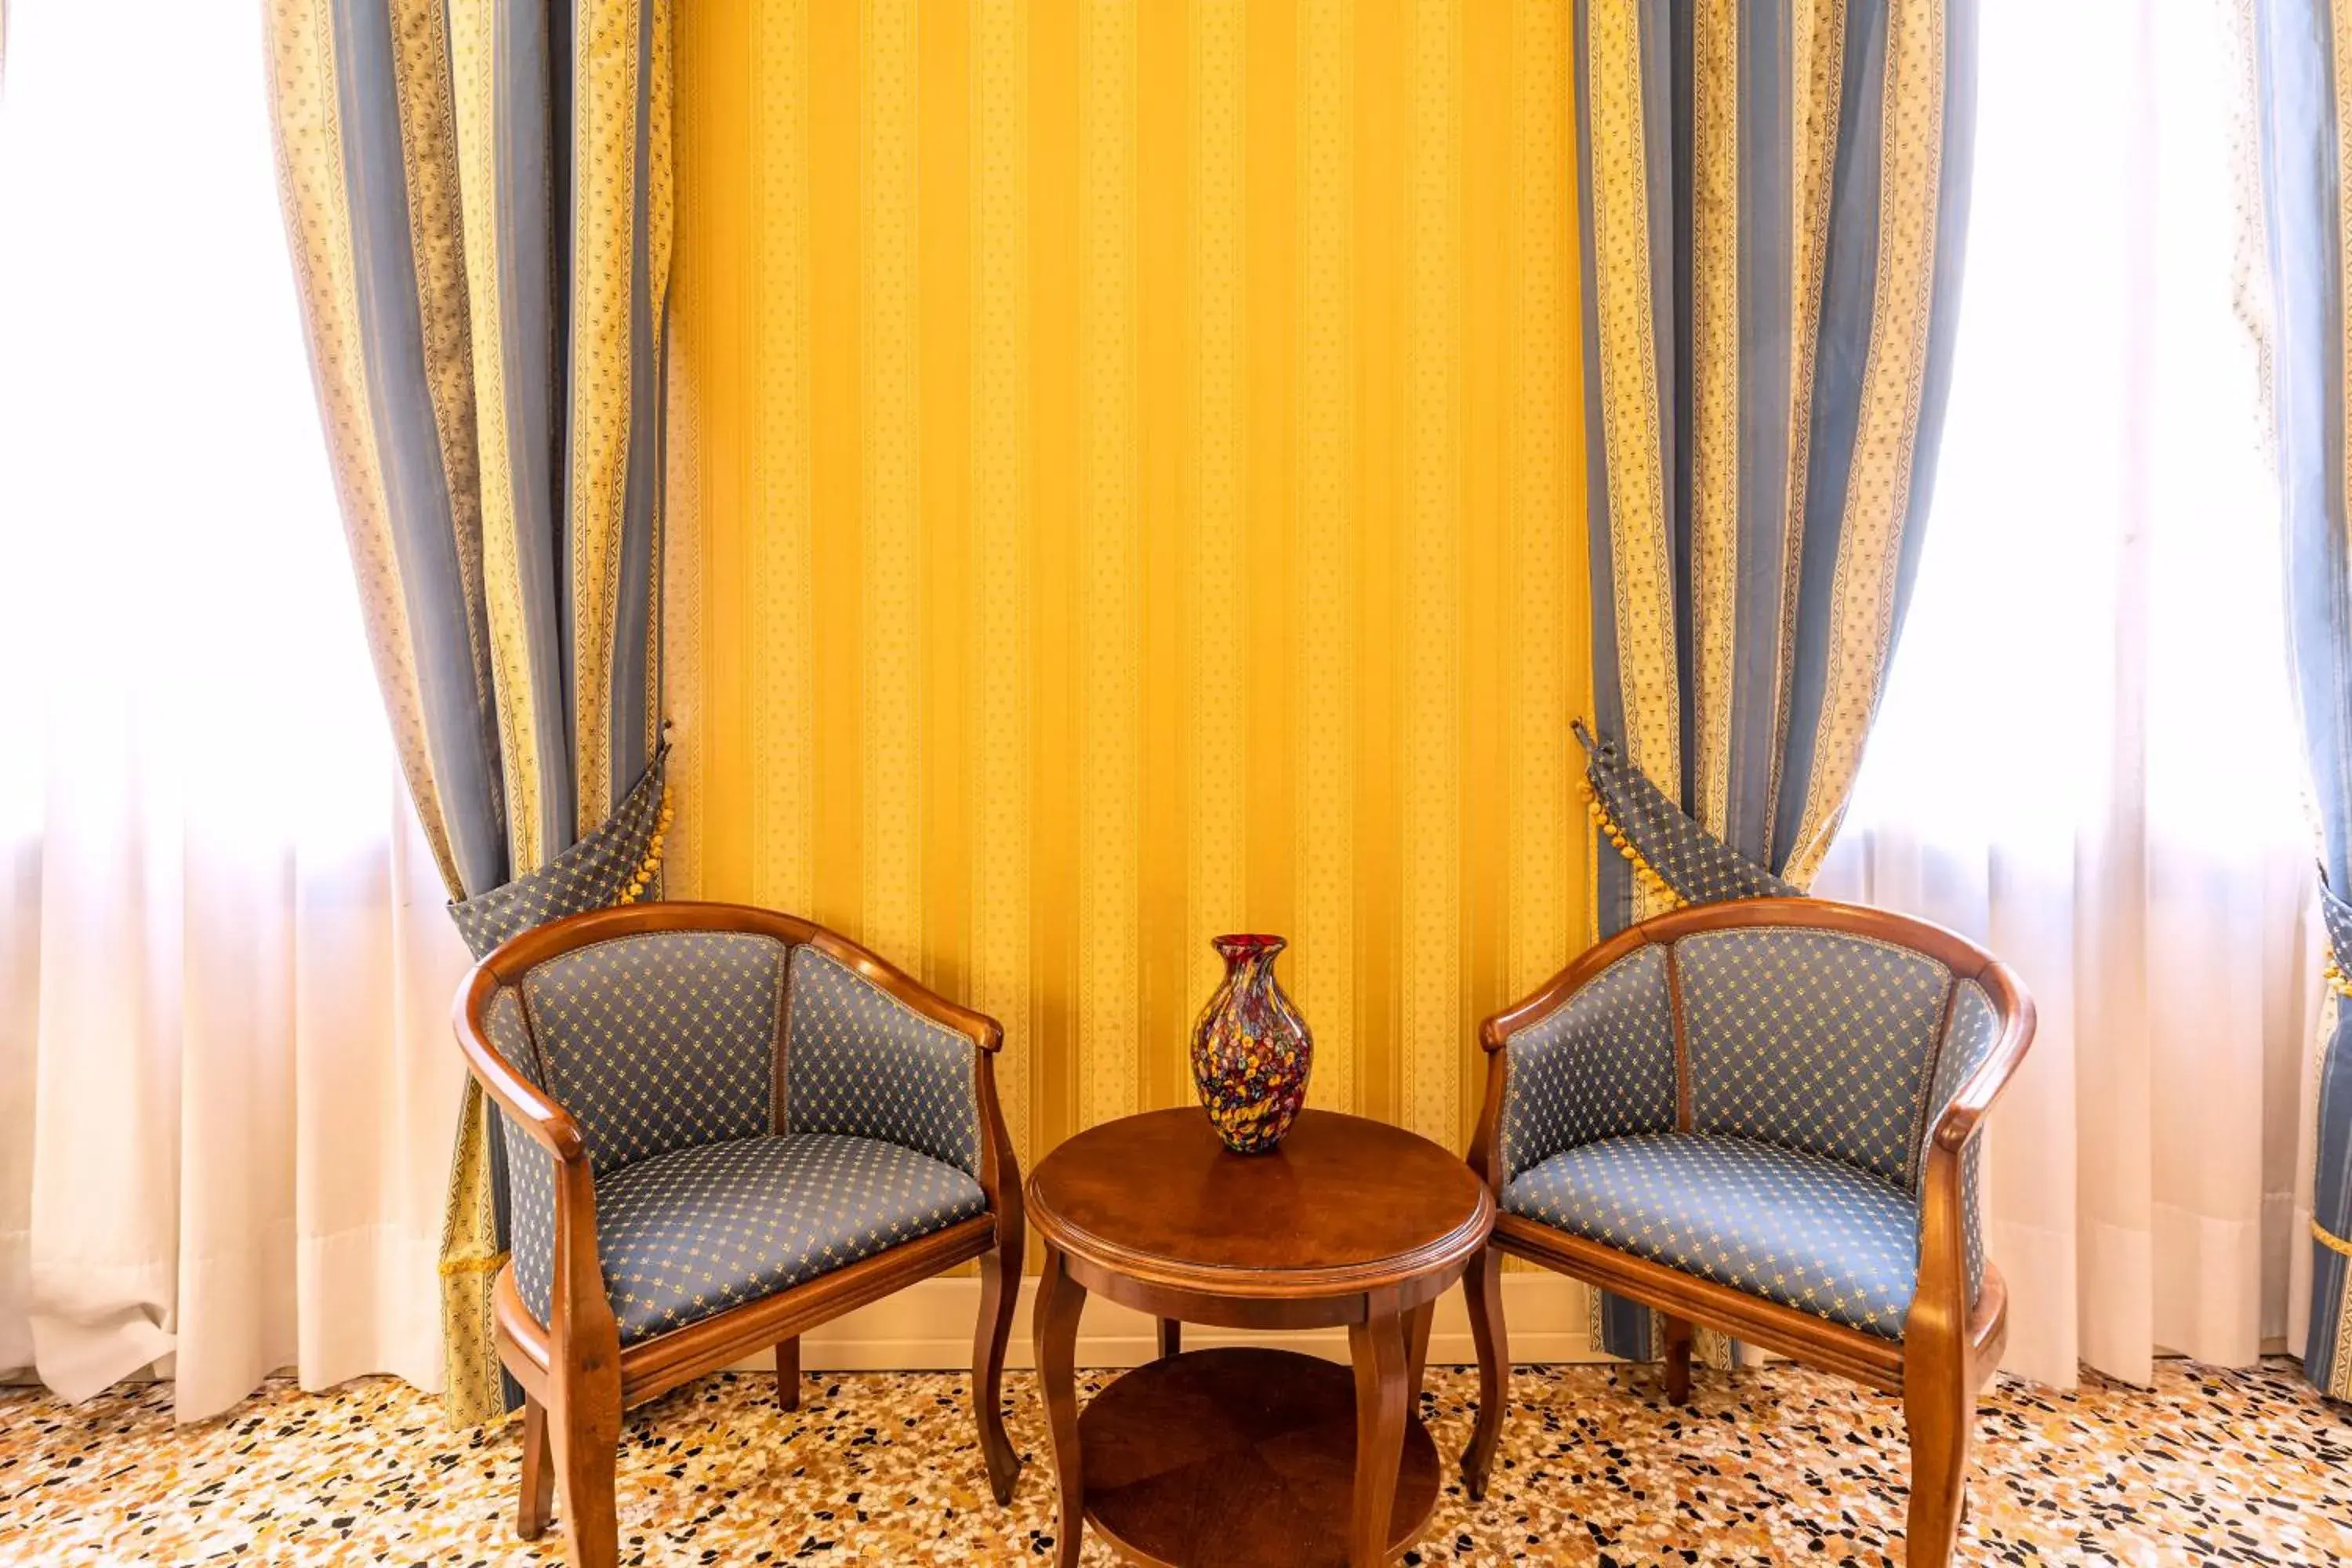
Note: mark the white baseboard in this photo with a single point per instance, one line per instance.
(928, 1328)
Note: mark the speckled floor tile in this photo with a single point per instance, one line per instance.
(1776, 1466)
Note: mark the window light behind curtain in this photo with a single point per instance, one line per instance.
(226, 1091)
(2086, 756)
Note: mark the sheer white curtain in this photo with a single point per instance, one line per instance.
(227, 1090)
(2087, 757)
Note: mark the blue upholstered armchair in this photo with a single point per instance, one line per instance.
(722, 1127)
(1764, 1116)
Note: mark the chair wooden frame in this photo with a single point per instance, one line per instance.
(576, 1377)
(1948, 1350)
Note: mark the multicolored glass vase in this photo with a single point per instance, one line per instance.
(1251, 1051)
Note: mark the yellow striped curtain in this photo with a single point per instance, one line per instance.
(478, 196)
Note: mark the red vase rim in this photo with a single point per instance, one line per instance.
(1248, 944)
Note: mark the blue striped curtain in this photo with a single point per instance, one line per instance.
(2302, 58)
(478, 200)
(1774, 196)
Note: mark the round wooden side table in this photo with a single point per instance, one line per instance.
(1246, 1456)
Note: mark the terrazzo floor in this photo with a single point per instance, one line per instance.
(1775, 1465)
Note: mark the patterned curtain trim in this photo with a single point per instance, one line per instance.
(2302, 115)
(1677, 860)
(472, 1253)
(2328, 1353)
(2336, 914)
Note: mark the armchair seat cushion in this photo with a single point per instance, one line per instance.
(1805, 1230)
(687, 1235)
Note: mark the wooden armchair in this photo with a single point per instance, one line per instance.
(1764, 1116)
(723, 1127)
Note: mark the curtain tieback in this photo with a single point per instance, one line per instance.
(1643, 872)
(2332, 972)
(488, 1264)
(1674, 860)
(2335, 919)
(2329, 1239)
(649, 866)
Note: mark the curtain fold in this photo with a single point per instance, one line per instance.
(478, 197)
(2302, 87)
(226, 1082)
(2087, 759)
(1774, 196)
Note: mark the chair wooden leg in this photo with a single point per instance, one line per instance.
(1677, 1332)
(788, 1374)
(1482, 1287)
(1940, 1412)
(1000, 1291)
(538, 1492)
(1171, 1338)
(586, 1428)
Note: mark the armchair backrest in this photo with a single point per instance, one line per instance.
(1814, 1039)
(664, 1027)
(1825, 1027)
(661, 1041)
(860, 1061)
(1601, 1064)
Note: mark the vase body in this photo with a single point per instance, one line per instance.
(1251, 1051)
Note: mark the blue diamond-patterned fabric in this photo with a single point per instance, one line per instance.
(592, 874)
(1802, 1229)
(1599, 1065)
(1816, 1040)
(1700, 867)
(857, 1060)
(531, 1168)
(1969, 1039)
(687, 1235)
(660, 1041)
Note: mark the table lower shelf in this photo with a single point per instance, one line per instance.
(1238, 1456)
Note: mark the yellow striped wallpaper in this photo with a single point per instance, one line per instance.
(1125, 485)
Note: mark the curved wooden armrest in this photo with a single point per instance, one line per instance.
(1966, 1113)
(1556, 992)
(983, 1031)
(547, 1123)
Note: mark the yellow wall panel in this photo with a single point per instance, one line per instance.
(1431, 551)
(942, 635)
(997, 654)
(890, 470)
(1217, 560)
(1546, 667)
(779, 660)
(1110, 599)
(1125, 484)
(1327, 542)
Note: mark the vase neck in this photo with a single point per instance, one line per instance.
(1249, 956)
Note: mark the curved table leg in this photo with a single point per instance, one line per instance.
(1060, 1299)
(1482, 1284)
(1382, 1366)
(1417, 1351)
